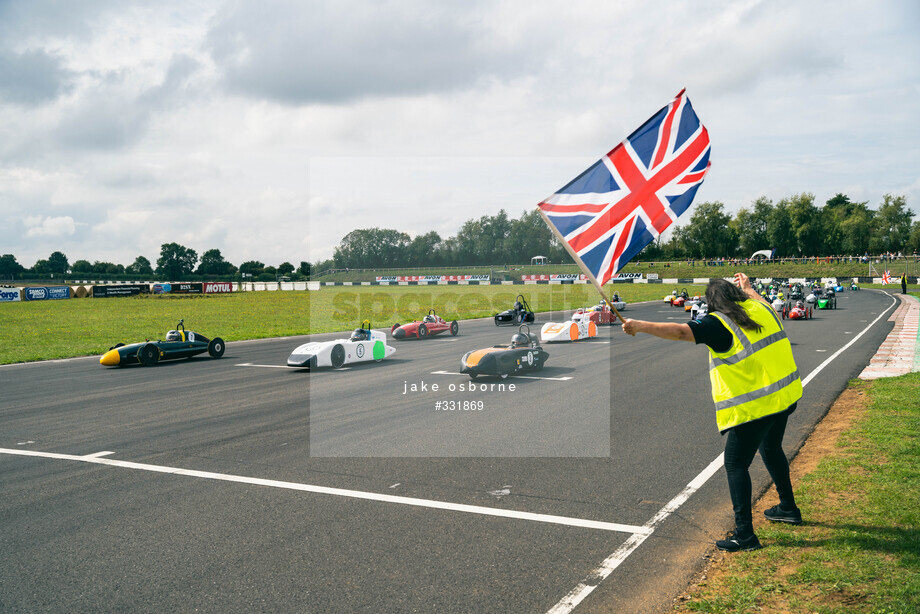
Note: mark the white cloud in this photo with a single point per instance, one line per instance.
(38, 226)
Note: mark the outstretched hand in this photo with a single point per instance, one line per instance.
(629, 327)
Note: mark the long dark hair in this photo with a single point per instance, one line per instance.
(724, 296)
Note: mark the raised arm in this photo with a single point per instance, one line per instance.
(744, 282)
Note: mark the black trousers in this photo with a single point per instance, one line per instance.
(741, 443)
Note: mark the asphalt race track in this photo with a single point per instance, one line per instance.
(239, 485)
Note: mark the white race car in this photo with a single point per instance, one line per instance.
(699, 310)
(579, 327)
(364, 345)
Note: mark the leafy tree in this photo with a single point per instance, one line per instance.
(425, 250)
(107, 268)
(529, 237)
(9, 267)
(913, 243)
(709, 234)
(252, 267)
(304, 268)
(891, 230)
(805, 221)
(81, 267)
(372, 248)
(140, 266)
(750, 226)
(213, 263)
(176, 261)
(285, 268)
(779, 231)
(57, 263)
(40, 269)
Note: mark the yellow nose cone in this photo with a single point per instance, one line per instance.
(110, 358)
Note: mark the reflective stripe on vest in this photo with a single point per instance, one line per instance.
(757, 376)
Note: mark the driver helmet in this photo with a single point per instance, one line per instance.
(800, 305)
(429, 318)
(518, 306)
(359, 335)
(173, 335)
(520, 340)
(616, 297)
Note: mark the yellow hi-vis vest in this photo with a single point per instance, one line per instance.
(757, 376)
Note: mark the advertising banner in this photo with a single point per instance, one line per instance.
(628, 276)
(178, 288)
(9, 295)
(218, 287)
(120, 290)
(46, 293)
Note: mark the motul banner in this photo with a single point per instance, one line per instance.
(218, 287)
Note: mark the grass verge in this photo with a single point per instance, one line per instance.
(42, 330)
(859, 548)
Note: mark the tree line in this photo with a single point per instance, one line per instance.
(795, 227)
(176, 263)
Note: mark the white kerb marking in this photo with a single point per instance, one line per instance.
(587, 586)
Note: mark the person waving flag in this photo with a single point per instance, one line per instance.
(886, 278)
(607, 214)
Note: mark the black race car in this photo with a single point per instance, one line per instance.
(179, 343)
(519, 314)
(523, 354)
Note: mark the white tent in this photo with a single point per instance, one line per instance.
(538, 260)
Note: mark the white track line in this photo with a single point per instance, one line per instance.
(353, 494)
(593, 580)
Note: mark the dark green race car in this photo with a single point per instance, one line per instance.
(179, 343)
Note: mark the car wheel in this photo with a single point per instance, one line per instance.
(503, 376)
(474, 375)
(338, 356)
(422, 331)
(454, 328)
(148, 355)
(394, 327)
(216, 347)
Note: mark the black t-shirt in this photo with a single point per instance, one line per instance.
(710, 331)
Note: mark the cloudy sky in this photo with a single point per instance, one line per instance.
(269, 130)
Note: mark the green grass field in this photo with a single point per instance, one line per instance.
(859, 548)
(42, 330)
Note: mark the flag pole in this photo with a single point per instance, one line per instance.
(581, 264)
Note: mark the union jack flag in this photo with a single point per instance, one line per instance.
(629, 197)
(886, 278)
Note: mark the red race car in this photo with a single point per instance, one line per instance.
(432, 324)
(797, 311)
(599, 314)
(680, 299)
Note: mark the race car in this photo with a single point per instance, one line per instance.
(826, 300)
(796, 293)
(778, 305)
(691, 301)
(669, 299)
(364, 345)
(179, 343)
(581, 326)
(519, 313)
(699, 310)
(680, 299)
(522, 355)
(853, 285)
(600, 313)
(432, 324)
(797, 311)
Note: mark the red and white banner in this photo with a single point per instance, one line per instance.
(218, 287)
